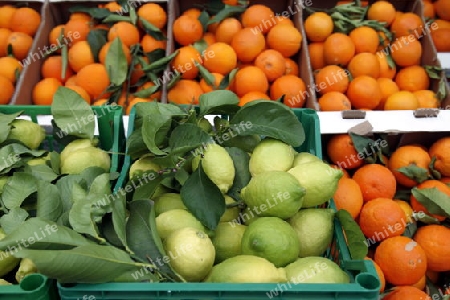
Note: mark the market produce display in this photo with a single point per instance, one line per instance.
(438, 11)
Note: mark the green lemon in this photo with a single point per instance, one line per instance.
(227, 240)
(313, 242)
(191, 253)
(78, 161)
(168, 201)
(246, 269)
(320, 181)
(315, 269)
(248, 216)
(175, 219)
(27, 132)
(273, 239)
(218, 166)
(231, 213)
(143, 164)
(76, 145)
(161, 189)
(271, 155)
(39, 160)
(303, 158)
(273, 194)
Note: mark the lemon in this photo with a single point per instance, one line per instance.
(191, 253)
(231, 213)
(75, 146)
(143, 164)
(248, 216)
(168, 201)
(271, 155)
(315, 270)
(217, 165)
(313, 242)
(27, 132)
(303, 158)
(227, 240)
(320, 181)
(273, 239)
(78, 161)
(273, 194)
(175, 219)
(246, 269)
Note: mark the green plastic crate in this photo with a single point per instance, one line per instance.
(32, 287)
(364, 281)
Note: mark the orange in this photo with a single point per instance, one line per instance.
(441, 151)
(407, 292)
(407, 209)
(77, 30)
(292, 88)
(44, 91)
(221, 58)
(56, 35)
(318, 26)
(259, 16)
(338, 49)
(342, 152)
(52, 68)
(429, 184)
(82, 92)
(6, 90)
(127, 32)
(285, 39)
(348, 196)
(4, 35)
(154, 96)
(248, 44)
(375, 181)
(227, 29)
(284, 21)
(405, 156)
(331, 78)
(208, 88)
(406, 52)
(428, 10)
(185, 91)
(441, 38)
(80, 55)
(402, 100)
(421, 283)
(133, 103)
(365, 39)
(442, 9)
(435, 241)
(316, 55)
(100, 102)
(334, 101)
(213, 26)
(413, 78)
(113, 6)
(80, 16)
(150, 44)
(94, 79)
(291, 67)
(10, 67)
(193, 13)
(209, 38)
(252, 96)
(72, 80)
(105, 49)
(6, 13)
(154, 14)
(381, 219)
(386, 71)
(187, 30)
(272, 63)
(427, 99)
(379, 273)
(387, 87)
(184, 62)
(407, 24)
(26, 20)
(21, 44)
(364, 92)
(364, 64)
(250, 79)
(440, 24)
(382, 11)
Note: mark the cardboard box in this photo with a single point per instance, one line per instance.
(286, 7)
(56, 13)
(26, 79)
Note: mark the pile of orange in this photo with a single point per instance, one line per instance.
(88, 76)
(260, 45)
(18, 27)
(355, 71)
(439, 12)
(368, 192)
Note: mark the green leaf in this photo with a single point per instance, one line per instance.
(228, 11)
(410, 230)
(49, 205)
(154, 55)
(415, 173)
(13, 219)
(434, 173)
(116, 63)
(90, 174)
(181, 176)
(152, 30)
(119, 219)
(65, 186)
(97, 38)
(204, 18)
(145, 93)
(142, 236)
(133, 15)
(12, 154)
(403, 195)
(117, 18)
(205, 74)
(72, 114)
(5, 124)
(200, 46)
(435, 201)
(225, 82)
(258, 117)
(355, 238)
(83, 264)
(361, 143)
(187, 137)
(18, 187)
(55, 162)
(161, 64)
(42, 172)
(135, 144)
(203, 198)
(218, 102)
(242, 175)
(154, 131)
(145, 185)
(174, 80)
